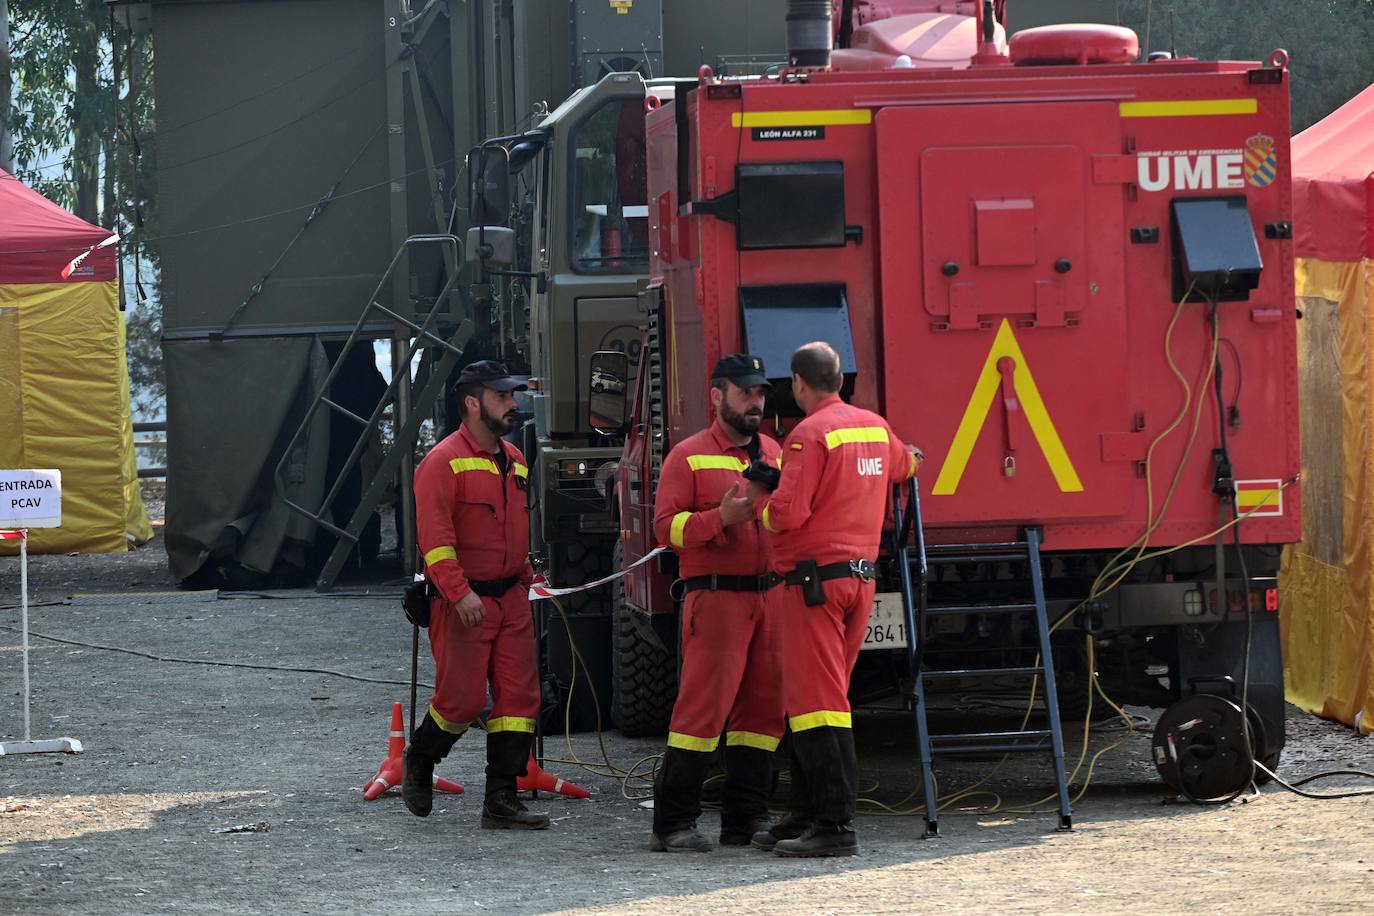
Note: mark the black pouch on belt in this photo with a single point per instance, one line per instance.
(813, 590)
(416, 603)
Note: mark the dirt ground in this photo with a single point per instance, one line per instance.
(175, 753)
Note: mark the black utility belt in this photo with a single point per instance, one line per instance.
(492, 588)
(761, 583)
(810, 576)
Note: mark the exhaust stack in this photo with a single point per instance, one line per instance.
(809, 35)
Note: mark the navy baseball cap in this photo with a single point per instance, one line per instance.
(491, 373)
(744, 369)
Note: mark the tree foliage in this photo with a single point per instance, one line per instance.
(82, 118)
(1330, 42)
(83, 126)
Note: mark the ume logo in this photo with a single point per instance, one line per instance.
(1191, 171)
(870, 467)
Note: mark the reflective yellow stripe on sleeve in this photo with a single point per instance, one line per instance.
(767, 520)
(461, 465)
(914, 467)
(521, 470)
(825, 717)
(838, 437)
(692, 742)
(510, 724)
(678, 532)
(751, 739)
(716, 463)
(453, 728)
(440, 553)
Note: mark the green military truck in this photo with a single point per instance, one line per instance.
(563, 281)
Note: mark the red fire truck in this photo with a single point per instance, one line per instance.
(1067, 275)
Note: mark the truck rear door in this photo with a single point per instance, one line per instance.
(1004, 308)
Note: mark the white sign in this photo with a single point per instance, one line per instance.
(31, 499)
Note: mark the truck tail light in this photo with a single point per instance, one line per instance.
(1271, 599)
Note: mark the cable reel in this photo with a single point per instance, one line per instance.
(1199, 747)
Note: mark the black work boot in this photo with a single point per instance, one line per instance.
(790, 827)
(821, 840)
(688, 839)
(503, 810)
(508, 753)
(428, 745)
(677, 802)
(744, 798)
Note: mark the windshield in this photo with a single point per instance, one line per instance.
(610, 218)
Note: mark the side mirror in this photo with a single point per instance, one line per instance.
(489, 186)
(609, 385)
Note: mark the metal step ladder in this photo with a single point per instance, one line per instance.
(914, 574)
(400, 391)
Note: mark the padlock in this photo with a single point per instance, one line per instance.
(1009, 466)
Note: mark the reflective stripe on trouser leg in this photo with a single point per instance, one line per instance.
(677, 789)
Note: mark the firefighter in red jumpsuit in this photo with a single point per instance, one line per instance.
(473, 526)
(826, 519)
(731, 663)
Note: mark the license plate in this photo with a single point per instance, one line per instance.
(887, 624)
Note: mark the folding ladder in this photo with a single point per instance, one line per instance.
(914, 561)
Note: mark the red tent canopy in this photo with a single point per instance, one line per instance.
(38, 239)
(1333, 184)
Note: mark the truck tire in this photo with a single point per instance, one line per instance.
(643, 674)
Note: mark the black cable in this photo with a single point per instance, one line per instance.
(1233, 415)
(164, 131)
(1255, 765)
(215, 663)
(229, 225)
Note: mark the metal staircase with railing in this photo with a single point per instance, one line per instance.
(401, 389)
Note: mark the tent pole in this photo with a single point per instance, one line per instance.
(406, 489)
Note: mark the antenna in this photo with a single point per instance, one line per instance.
(1173, 36)
(1149, 9)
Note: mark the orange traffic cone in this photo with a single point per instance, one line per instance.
(536, 778)
(389, 776)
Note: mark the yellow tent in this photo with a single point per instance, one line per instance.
(1327, 596)
(64, 383)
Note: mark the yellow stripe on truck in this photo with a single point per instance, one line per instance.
(824, 118)
(1192, 108)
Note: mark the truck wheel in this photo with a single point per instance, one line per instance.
(643, 674)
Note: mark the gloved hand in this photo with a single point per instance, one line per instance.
(763, 474)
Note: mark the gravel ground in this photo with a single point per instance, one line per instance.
(175, 753)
